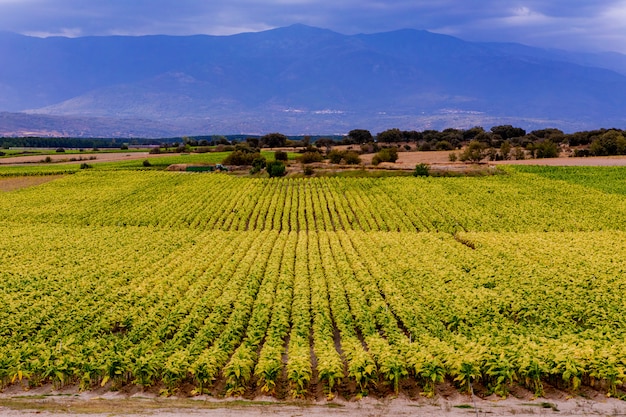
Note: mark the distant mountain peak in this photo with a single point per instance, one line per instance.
(407, 78)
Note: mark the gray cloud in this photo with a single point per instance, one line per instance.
(569, 24)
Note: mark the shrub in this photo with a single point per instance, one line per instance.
(444, 145)
(308, 170)
(335, 156)
(258, 164)
(421, 170)
(474, 152)
(2, 153)
(85, 165)
(203, 149)
(310, 157)
(519, 154)
(240, 158)
(385, 155)
(425, 147)
(546, 149)
(352, 158)
(59, 150)
(47, 159)
(452, 157)
(281, 156)
(276, 169)
(146, 163)
(124, 147)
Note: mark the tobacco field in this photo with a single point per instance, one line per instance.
(210, 283)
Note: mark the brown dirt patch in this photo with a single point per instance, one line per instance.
(17, 183)
(80, 158)
(595, 161)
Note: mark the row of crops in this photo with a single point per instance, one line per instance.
(517, 202)
(331, 285)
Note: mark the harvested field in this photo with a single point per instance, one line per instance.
(80, 158)
(591, 161)
(16, 183)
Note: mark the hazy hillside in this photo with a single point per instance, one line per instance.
(307, 80)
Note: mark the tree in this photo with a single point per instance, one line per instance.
(474, 152)
(470, 134)
(360, 136)
(609, 143)
(508, 131)
(273, 140)
(325, 142)
(390, 136)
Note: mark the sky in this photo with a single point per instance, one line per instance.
(580, 25)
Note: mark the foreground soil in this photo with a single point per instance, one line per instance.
(45, 401)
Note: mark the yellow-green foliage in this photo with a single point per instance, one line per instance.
(172, 278)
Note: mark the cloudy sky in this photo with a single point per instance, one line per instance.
(568, 24)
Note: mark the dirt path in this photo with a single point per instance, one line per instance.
(44, 401)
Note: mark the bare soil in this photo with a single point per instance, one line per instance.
(45, 401)
(16, 183)
(101, 157)
(597, 161)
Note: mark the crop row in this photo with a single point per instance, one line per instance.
(284, 311)
(517, 202)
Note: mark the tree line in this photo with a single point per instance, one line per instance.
(502, 141)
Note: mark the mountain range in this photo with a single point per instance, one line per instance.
(298, 80)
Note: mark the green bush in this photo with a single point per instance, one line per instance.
(146, 163)
(240, 158)
(421, 170)
(258, 164)
(276, 169)
(59, 150)
(308, 170)
(335, 156)
(385, 155)
(546, 149)
(310, 157)
(281, 156)
(474, 152)
(352, 158)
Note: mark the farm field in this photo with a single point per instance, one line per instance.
(316, 287)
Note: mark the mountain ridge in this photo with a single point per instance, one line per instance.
(300, 78)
